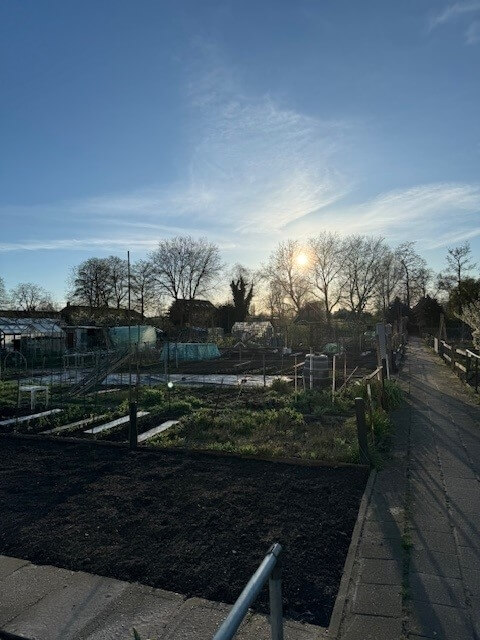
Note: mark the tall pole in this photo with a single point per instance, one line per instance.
(132, 427)
(129, 330)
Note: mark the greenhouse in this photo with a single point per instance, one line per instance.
(189, 351)
(144, 336)
(31, 335)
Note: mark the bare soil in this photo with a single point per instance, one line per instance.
(191, 523)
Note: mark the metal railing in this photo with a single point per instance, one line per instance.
(270, 569)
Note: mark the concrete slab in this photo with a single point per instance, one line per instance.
(146, 609)
(378, 600)
(65, 611)
(8, 565)
(435, 563)
(361, 627)
(197, 619)
(374, 571)
(26, 586)
(437, 590)
(258, 628)
(441, 622)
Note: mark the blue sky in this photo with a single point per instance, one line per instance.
(123, 122)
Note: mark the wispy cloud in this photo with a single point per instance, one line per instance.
(434, 214)
(254, 166)
(454, 11)
(457, 11)
(472, 34)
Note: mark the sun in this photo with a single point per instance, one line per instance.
(302, 259)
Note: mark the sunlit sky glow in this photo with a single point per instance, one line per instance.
(123, 122)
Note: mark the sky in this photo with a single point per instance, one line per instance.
(123, 122)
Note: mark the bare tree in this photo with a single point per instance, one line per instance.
(90, 283)
(328, 283)
(117, 279)
(413, 266)
(459, 260)
(3, 294)
(287, 275)
(362, 257)
(31, 297)
(471, 316)
(423, 280)
(389, 278)
(186, 267)
(143, 285)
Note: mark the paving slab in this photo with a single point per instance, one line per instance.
(27, 585)
(375, 571)
(437, 590)
(439, 621)
(360, 627)
(435, 563)
(49, 603)
(436, 436)
(8, 565)
(378, 600)
(145, 609)
(65, 611)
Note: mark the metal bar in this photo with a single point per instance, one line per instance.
(275, 594)
(237, 613)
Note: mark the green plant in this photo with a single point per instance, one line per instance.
(392, 395)
(282, 387)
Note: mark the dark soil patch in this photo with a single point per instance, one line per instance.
(195, 524)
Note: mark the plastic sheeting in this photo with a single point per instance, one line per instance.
(144, 335)
(190, 351)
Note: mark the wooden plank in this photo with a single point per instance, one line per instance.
(147, 435)
(33, 416)
(72, 425)
(114, 423)
(461, 367)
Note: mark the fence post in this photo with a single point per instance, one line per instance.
(383, 374)
(476, 374)
(275, 593)
(264, 371)
(362, 431)
(132, 427)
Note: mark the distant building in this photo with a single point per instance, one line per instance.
(74, 314)
(192, 313)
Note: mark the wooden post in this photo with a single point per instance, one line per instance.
(132, 427)
(334, 361)
(476, 374)
(295, 378)
(362, 431)
(382, 389)
(264, 372)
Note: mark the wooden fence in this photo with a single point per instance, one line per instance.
(464, 362)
